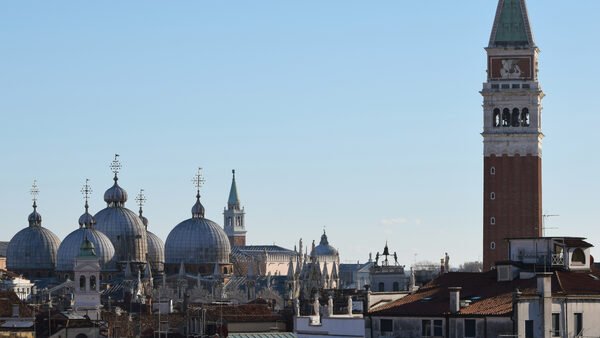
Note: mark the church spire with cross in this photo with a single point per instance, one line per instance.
(234, 223)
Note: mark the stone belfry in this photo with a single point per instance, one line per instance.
(512, 134)
(233, 215)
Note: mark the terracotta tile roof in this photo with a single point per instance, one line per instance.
(487, 296)
(242, 313)
(576, 283)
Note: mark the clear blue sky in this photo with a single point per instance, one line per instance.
(362, 117)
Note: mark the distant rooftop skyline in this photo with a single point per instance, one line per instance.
(359, 118)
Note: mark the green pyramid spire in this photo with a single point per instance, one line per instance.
(234, 201)
(511, 26)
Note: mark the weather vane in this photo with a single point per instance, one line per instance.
(140, 199)
(115, 165)
(86, 190)
(35, 191)
(198, 179)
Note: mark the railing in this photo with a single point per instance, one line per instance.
(558, 259)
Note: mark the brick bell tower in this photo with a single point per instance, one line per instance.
(512, 134)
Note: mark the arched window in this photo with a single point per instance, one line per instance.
(492, 195)
(515, 118)
(82, 283)
(506, 117)
(66, 276)
(493, 171)
(496, 118)
(525, 117)
(81, 335)
(381, 287)
(492, 220)
(578, 256)
(92, 282)
(396, 286)
(493, 245)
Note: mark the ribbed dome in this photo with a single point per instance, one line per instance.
(197, 241)
(115, 195)
(126, 232)
(34, 219)
(156, 252)
(324, 249)
(32, 248)
(71, 245)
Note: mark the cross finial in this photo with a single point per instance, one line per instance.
(86, 190)
(115, 165)
(35, 191)
(198, 180)
(141, 199)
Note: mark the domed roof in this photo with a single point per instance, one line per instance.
(115, 194)
(126, 232)
(34, 247)
(70, 246)
(324, 249)
(197, 240)
(156, 252)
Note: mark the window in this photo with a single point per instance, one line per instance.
(578, 323)
(526, 86)
(493, 245)
(496, 118)
(505, 86)
(93, 283)
(426, 328)
(529, 329)
(396, 286)
(495, 86)
(492, 195)
(470, 329)
(381, 287)
(515, 121)
(437, 328)
(525, 117)
(431, 328)
(578, 257)
(386, 325)
(516, 86)
(82, 282)
(556, 325)
(506, 117)
(493, 171)
(492, 220)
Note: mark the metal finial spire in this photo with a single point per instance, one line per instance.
(198, 181)
(35, 191)
(86, 190)
(233, 172)
(141, 200)
(115, 165)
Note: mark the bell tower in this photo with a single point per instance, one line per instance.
(512, 134)
(234, 225)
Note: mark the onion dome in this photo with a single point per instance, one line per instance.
(71, 246)
(33, 248)
(122, 226)
(197, 240)
(324, 249)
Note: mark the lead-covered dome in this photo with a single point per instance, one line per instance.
(122, 226)
(33, 248)
(324, 249)
(197, 241)
(156, 247)
(71, 245)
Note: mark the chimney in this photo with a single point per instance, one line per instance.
(544, 289)
(454, 299)
(15, 310)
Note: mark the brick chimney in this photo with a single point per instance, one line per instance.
(454, 299)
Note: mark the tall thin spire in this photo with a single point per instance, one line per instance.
(511, 25)
(234, 201)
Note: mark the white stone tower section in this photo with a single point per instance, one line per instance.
(234, 224)
(87, 282)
